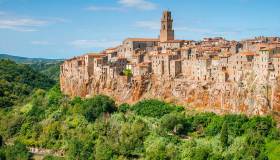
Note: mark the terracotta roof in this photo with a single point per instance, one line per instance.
(142, 39)
(248, 53)
(264, 49)
(173, 41)
(97, 55)
(113, 48)
(276, 56)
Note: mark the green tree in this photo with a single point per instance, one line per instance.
(175, 122)
(18, 151)
(154, 108)
(262, 125)
(157, 148)
(96, 106)
(1, 141)
(124, 107)
(224, 135)
(17, 81)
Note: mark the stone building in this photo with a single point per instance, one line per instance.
(213, 73)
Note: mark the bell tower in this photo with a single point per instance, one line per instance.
(166, 31)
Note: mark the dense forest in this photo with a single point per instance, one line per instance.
(98, 128)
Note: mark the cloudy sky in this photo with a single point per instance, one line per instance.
(65, 28)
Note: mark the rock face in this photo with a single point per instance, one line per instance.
(244, 97)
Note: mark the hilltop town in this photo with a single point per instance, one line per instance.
(213, 74)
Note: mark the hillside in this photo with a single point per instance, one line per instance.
(48, 67)
(18, 81)
(26, 60)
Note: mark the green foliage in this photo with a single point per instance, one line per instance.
(235, 124)
(262, 125)
(157, 147)
(215, 126)
(199, 122)
(80, 150)
(255, 146)
(50, 69)
(123, 107)
(54, 96)
(153, 108)
(273, 149)
(18, 81)
(175, 122)
(120, 135)
(50, 157)
(224, 135)
(98, 105)
(127, 72)
(17, 151)
(1, 141)
(191, 150)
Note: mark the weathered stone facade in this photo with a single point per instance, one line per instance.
(209, 75)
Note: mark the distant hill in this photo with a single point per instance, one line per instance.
(48, 67)
(26, 60)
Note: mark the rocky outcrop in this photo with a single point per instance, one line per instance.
(245, 97)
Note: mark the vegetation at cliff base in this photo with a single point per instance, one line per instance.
(18, 81)
(98, 128)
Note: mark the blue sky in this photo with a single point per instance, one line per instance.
(65, 28)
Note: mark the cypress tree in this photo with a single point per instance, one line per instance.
(224, 135)
(1, 141)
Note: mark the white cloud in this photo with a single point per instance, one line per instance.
(43, 43)
(138, 4)
(25, 24)
(86, 44)
(21, 24)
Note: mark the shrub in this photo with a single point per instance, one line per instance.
(262, 125)
(235, 124)
(175, 122)
(17, 151)
(98, 105)
(215, 126)
(124, 107)
(127, 72)
(153, 108)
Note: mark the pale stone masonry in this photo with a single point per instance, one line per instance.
(213, 74)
